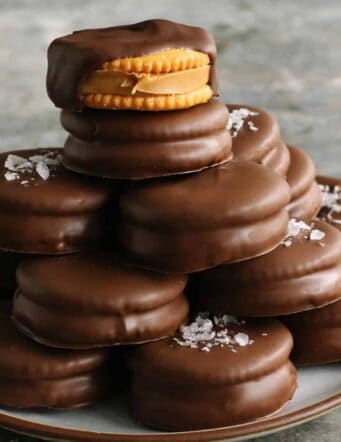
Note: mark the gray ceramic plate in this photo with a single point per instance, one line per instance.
(319, 391)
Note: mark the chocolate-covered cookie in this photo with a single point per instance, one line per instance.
(305, 193)
(8, 265)
(278, 159)
(317, 335)
(93, 300)
(223, 214)
(331, 200)
(256, 137)
(214, 372)
(152, 65)
(47, 209)
(137, 145)
(35, 376)
(303, 273)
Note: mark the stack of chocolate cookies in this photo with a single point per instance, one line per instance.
(174, 236)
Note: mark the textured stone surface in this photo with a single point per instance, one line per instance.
(281, 55)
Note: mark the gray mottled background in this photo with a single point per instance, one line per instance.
(280, 55)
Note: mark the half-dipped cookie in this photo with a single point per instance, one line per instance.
(305, 193)
(93, 300)
(317, 335)
(153, 65)
(223, 214)
(214, 372)
(256, 137)
(47, 209)
(303, 273)
(331, 200)
(35, 376)
(135, 145)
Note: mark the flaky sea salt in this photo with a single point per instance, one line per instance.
(11, 176)
(252, 126)
(42, 170)
(207, 331)
(241, 339)
(50, 159)
(17, 165)
(295, 227)
(316, 235)
(237, 118)
(331, 203)
(298, 228)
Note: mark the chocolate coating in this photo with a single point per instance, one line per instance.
(182, 388)
(317, 335)
(305, 194)
(72, 56)
(251, 145)
(32, 375)
(317, 340)
(8, 266)
(264, 144)
(55, 302)
(222, 214)
(278, 159)
(136, 145)
(303, 276)
(62, 214)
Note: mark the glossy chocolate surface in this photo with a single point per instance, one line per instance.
(305, 194)
(278, 159)
(32, 375)
(302, 276)
(317, 334)
(198, 221)
(182, 388)
(72, 56)
(253, 145)
(8, 266)
(136, 145)
(62, 214)
(55, 302)
(155, 127)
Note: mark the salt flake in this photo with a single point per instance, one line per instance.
(42, 170)
(241, 339)
(11, 176)
(316, 235)
(237, 118)
(207, 331)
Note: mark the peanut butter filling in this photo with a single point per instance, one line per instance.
(121, 83)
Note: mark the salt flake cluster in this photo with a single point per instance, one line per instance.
(237, 119)
(331, 203)
(207, 331)
(298, 228)
(17, 166)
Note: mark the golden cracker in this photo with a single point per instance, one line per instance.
(171, 60)
(149, 102)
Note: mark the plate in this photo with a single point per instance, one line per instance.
(319, 391)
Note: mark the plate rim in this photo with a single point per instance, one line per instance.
(236, 432)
